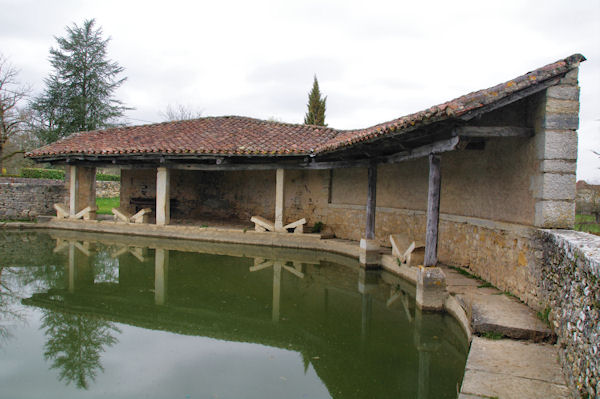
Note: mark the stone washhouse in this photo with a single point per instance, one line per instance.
(470, 180)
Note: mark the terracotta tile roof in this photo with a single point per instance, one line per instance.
(236, 135)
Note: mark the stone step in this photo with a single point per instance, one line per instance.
(493, 312)
(512, 369)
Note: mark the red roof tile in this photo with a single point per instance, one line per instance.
(236, 135)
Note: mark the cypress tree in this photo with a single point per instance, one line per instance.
(316, 106)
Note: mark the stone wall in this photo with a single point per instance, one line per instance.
(588, 198)
(28, 198)
(108, 189)
(570, 282)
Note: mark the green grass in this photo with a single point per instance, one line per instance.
(544, 316)
(106, 204)
(586, 223)
(492, 335)
(579, 218)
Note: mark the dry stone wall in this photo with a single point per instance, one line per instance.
(28, 198)
(108, 189)
(570, 282)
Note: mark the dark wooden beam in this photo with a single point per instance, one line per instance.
(423, 151)
(230, 164)
(433, 210)
(492, 131)
(371, 200)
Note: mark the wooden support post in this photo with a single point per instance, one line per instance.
(371, 201)
(279, 199)
(433, 210)
(73, 191)
(163, 202)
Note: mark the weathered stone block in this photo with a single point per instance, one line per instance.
(555, 214)
(556, 106)
(561, 121)
(431, 288)
(554, 186)
(563, 92)
(556, 144)
(369, 253)
(558, 166)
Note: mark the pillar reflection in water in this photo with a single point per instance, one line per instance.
(367, 284)
(278, 267)
(426, 345)
(161, 275)
(79, 272)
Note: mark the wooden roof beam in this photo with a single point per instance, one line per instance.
(485, 132)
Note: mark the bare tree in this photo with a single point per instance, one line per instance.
(12, 116)
(179, 112)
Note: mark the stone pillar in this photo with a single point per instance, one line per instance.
(163, 201)
(431, 288)
(82, 189)
(73, 190)
(556, 123)
(369, 256)
(279, 199)
(161, 275)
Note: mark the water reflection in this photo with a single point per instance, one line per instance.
(359, 331)
(75, 344)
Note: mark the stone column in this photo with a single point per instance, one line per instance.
(163, 201)
(279, 199)
(73, 190)
(556, 123)
(161, 275)
(82, 189)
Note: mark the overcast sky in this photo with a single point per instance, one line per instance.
(375, 60)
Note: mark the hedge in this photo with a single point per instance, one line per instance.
(38, 173)
(58, 174)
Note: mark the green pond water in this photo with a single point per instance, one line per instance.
(107, 316)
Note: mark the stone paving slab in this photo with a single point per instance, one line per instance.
(513, 369)
(507, 316)
(490, 311)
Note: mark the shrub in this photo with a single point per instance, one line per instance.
(58, 174)
(38, 173)
(104, 177)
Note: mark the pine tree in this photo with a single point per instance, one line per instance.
(79, 93)
(316, 106)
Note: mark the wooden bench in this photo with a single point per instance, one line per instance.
(140, 217)
(262, 224)
(407, 251)
(87, 213)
